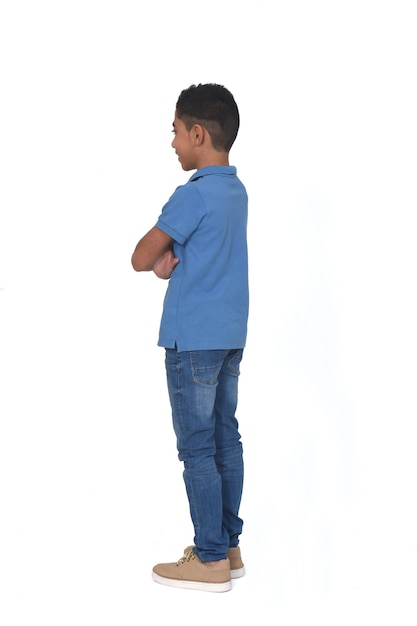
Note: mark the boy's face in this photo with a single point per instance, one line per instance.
(183, 145)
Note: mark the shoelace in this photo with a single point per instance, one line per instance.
(188, 556)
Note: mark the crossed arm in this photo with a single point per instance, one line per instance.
(154, 252)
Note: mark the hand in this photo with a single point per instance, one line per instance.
(165, 265)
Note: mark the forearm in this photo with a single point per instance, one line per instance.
(140, 262)
(149, 249)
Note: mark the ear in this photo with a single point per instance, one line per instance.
(198, 133)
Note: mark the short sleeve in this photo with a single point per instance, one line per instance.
(182, 214)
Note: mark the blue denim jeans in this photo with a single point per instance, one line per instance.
(203, 388)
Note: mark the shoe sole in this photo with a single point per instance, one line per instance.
(192, 584)
(237, 573)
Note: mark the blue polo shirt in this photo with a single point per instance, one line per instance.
(207, 300)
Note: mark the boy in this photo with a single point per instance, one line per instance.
(199, 243)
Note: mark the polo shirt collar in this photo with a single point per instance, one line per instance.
(214, 169)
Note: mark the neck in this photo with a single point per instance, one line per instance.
(213, 158)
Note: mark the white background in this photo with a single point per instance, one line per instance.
(91, 488)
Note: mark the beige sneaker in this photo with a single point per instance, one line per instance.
(190, 573)
(237, 569)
